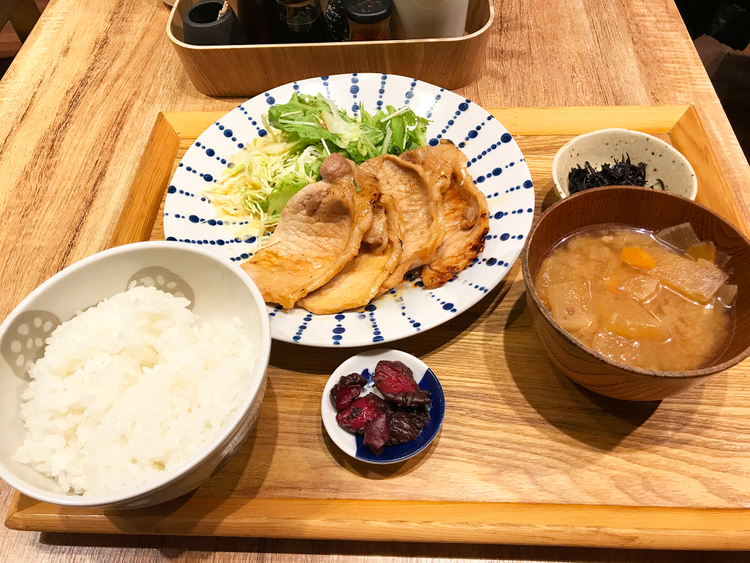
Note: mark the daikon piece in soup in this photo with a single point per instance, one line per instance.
(656, 301)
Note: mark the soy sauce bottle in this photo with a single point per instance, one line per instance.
(301, 21)
(259, 20)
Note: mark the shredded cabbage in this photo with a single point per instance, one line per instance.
(262, 178)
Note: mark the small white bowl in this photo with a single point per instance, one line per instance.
(663, 161)
(218, 289)
(364, 364)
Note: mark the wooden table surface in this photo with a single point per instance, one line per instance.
(78, 103)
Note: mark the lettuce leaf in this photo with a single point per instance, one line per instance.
(316, 119)
(302, 133)
(285, 188)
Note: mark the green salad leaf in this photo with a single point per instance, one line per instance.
(301, 134)
(315, 118)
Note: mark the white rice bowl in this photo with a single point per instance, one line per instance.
(129, 390)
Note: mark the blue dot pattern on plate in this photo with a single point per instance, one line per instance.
(338, 330)
(302, 327)
(393, 454)
(496, 164)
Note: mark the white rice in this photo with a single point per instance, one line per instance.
(130, 389)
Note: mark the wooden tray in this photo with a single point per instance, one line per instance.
(247, 70)
(524, 456)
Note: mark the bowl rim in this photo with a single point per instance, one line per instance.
(655, 374)
(170, 477)
(625, 132)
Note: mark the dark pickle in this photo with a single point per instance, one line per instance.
(396, 418)
(621, 173)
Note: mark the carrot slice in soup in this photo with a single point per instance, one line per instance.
(637, 257)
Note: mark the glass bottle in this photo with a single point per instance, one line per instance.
(258, 19)
(301, 21)
(369, 20)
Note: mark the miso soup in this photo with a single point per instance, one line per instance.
(657, 301)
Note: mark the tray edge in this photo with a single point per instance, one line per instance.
(410, 521)
(530, 524)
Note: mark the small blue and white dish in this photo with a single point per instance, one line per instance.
(364, 364)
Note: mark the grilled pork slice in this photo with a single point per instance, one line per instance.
(465, 215)
(319, 232)
(362, 277)
(417, 198)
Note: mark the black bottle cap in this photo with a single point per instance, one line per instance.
(368, 11)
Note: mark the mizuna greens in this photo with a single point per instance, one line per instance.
(300, 135)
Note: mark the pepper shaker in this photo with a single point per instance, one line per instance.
(338, 26)
(212, 22)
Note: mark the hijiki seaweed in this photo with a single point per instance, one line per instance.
(622, 173)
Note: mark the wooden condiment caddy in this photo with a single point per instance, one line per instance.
(247, 70)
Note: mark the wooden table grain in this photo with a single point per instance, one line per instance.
(78, 103)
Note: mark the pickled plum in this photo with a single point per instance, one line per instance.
(420, 417)
(345, 394)
(355, 417)
(402, 429)
(377, 433)
(348, 388)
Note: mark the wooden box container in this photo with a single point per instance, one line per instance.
(247, 70)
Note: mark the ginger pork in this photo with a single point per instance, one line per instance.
(319, 232)
(345, 240)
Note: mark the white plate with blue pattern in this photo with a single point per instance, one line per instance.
(495, 162)
(364, 364)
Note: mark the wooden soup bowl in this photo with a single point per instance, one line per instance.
(642, 208)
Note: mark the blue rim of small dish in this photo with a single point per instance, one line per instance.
(352, 444)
